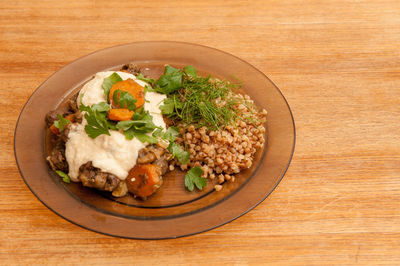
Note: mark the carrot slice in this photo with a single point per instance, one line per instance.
(120, 114)
(143, 180)
(132, 88)
(70, 117)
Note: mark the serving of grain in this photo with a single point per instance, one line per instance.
(224, 152)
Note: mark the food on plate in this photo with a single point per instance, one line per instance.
(129, 86)
(124, 131)
(144, 179)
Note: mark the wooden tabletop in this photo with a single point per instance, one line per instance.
(336, 62)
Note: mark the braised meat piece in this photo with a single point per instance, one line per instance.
(121, 189)
(162, 163)
(93, 177)
(72, 109)
(131, 68)
(150, 154)
(72, 104)
(50, 118)
(57, 158)
(63, 135)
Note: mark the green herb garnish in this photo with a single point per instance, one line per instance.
(101, 107)
(171, 105)
(64, 176)
(174, 148)
(96, 117)
(168, 107)
(141, 123)
(198, 100)
(124, 100)
(170, 81)
(193, 177)
(169, 135)
(177, 152)
(190, 71)
(61, 123)
(148, 80)
(144, 137)
(109, 82)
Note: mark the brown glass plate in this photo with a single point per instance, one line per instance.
(172, 212)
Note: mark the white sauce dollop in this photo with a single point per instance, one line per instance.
(113, 154)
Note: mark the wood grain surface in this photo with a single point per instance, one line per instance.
(336, 62)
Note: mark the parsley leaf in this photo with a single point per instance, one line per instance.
(64, 176)
(170, 81)
(169, 135)
(144, 137)
(109, 82)
(61, 122)
(150, 81)
(158, 133)
(168, 107)
(141, 77)
(96, 116)
(101, 107)
(125, 125)
(148, 88)
(193, 177)
(177, 151)
(124, 99)
(190, 71)
(172, 105)
(141, 123)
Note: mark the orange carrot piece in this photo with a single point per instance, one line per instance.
(143, 180)
(130, 86)
(70, 117)
(54, 129)
(120, 114)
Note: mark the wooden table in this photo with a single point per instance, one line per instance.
(337, 63)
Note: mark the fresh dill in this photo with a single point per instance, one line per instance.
(200, 100)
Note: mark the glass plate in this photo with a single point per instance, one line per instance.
(172, 212)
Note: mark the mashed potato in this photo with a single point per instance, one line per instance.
(113, 154)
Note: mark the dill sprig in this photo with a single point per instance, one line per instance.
(203, 101)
